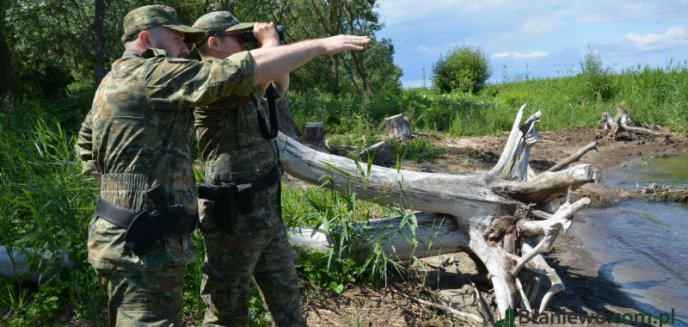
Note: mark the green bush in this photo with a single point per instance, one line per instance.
(464, 69)
(596, 80)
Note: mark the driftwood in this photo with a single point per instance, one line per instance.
(614, 127)
(490, 211)
(575, 156)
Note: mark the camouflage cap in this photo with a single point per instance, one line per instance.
(220, 21)
(157, 15)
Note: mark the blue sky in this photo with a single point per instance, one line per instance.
(537, 39)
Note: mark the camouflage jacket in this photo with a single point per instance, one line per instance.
(230, 140)
(137, 135)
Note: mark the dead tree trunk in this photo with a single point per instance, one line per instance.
(313, 135)
(491, 210)
(399, 127)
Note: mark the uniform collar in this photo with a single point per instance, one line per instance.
(149, 53)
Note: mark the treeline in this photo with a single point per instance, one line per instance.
(59, 50)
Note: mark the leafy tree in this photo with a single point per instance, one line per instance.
(465, 69)
(60, 49)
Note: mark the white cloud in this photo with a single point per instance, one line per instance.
(673, 37)
(439, 48)
(544, 25)
(518, 55)
(426, 48)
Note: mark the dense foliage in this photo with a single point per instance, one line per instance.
(60, 49)
(464, 69)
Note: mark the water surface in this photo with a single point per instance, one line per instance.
(643, 246)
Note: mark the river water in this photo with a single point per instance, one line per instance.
(643, 246)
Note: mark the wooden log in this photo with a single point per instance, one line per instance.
(15, 262)
(399, 127)
(313, 135)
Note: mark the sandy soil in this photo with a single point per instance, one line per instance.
(586, 290)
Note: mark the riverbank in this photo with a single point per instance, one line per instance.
(589, 289)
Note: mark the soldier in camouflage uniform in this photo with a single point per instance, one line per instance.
(242, 245)
(136, 139)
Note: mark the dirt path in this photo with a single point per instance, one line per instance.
(586, 290)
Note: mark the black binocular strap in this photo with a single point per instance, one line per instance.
(271, 95)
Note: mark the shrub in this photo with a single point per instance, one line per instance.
(596, 79)
(464, 69)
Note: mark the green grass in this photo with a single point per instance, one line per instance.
(654, 96)
(46, 204)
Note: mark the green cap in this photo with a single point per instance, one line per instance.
(146, 17)
(220, 21)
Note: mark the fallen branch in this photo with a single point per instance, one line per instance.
(459, 314)
(622, 123)
(575, 156)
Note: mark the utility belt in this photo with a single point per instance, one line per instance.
(232, 198)
(147, 226)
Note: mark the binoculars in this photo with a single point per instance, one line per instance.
(247, 35)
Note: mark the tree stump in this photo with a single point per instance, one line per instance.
(379, 152)
(314, 134)
(399, 127)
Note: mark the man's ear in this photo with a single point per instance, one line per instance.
(144, 38)
(212, 43)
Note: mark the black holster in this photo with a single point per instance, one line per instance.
(231, 199)
(147, 226)
(150, 226)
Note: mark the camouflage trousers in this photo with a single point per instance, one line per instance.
(254, 245)
(143, 297)
(142, 290)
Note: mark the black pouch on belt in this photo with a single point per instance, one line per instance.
(229, 199)
(150, 226)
